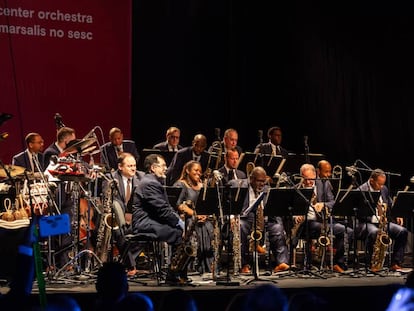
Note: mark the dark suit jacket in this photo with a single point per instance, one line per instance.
(109, 155)
(240, 174)
(163, 146)
(266, 148)
(180, 158)
(22, 159)
(152, 212)
(49, 152)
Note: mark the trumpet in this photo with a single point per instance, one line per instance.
(215, 151)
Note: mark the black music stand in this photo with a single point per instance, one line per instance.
(404, 207)
(269, 162)
(168, 156)
(355, 203)
(287, 203)
(295, 161)
(207, 202)
(173, 194)
(245, 158)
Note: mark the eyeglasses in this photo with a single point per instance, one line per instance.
(175, 137)
(161, 165)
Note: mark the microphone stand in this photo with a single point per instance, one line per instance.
(307, 159)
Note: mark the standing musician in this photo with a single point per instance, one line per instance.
(152, 212)
(274, 226)
(316, 219)
(367, 229)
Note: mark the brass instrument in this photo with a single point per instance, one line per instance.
(106, 225)
(382, 241)
(249, 168)
(185, 252)
(257, 232)
(215, 152)
(216, 245)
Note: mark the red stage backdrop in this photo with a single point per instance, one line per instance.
(71, 57)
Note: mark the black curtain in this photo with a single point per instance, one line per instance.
(341, 74)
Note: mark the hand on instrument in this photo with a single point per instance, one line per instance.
(298, 219)
(318, 206)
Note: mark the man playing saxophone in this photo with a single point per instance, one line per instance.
(274, 227)
(368, 227)
(321, 204)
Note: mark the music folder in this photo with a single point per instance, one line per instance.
(233, 200)
(245, 158)
(288, 201)
(355, 202)
(403, 204)
(295, 161)
(173, 194)
(208, 202)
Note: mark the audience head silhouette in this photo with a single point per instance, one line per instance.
(266, 297)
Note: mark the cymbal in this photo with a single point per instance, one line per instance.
(13, 169)
(79, 145)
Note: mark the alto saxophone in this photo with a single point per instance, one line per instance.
(382, 242)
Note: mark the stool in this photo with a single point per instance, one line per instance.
(150, 241)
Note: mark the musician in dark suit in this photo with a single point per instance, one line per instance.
(151, 209)
(229, 170)
(172, 140)
(277, 238)
(116, 145)
(273, 146)
(367, 229)
(126, 179)
(63, 136)
(229, 141)
(194, 152)
(32, 158)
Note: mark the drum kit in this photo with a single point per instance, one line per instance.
(34, 192)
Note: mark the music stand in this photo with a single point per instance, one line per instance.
(287, 203)
(354, 203)
(167, 155)
(245, 158)
(207, 202)
(295, 161)
(173, 194)
(269, 162)
(232, 205)
(404, 207)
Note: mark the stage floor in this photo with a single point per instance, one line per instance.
(355, 289)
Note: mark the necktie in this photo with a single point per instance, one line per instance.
(118, 150)
(128, 191)
(34, 161)
(232, 174)
(278, 150)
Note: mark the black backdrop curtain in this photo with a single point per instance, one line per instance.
(341, 74)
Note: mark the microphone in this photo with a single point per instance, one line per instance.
(305, 139)
(217, 133)
(217, 175)
(260, 134)
(351, 170)
(3, 136)
(4, 117)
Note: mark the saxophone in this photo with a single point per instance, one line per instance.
(257, 235)
(103, 239)
(382, 242)
(235, 229)
(216, 244)
(185, 252)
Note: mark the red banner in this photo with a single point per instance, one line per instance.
(70, 57)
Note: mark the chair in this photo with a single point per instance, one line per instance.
(148, 241)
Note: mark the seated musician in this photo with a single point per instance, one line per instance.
(368, 227)
(274, 226)
(316, 219)
(190, 182)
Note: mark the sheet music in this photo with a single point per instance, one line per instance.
(254, 205)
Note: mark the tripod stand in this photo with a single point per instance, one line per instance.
(81, 272)
(351, 203)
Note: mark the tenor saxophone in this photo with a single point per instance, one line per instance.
(235, 229)
(382, 242)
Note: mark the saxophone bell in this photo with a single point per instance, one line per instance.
(110, 222)
(323, 240)
(256, 235)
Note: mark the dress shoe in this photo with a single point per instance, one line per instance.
(395, 267)
(260, 249)
(338, 268)
(281, 267)
(245, 269)
(132, 272)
